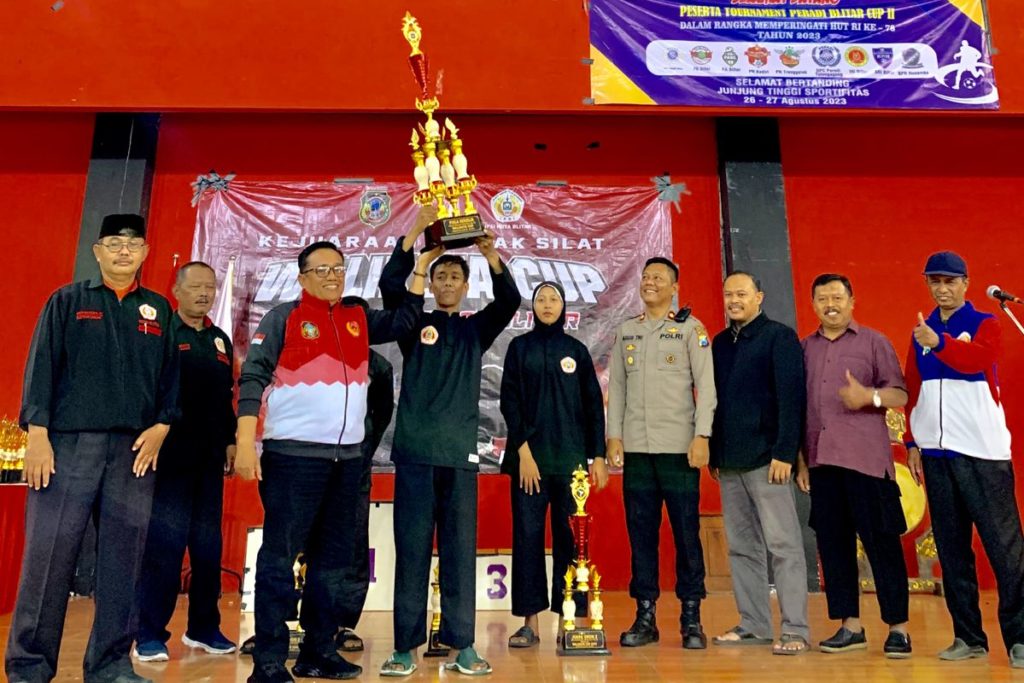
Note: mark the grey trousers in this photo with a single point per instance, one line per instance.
(760, 518)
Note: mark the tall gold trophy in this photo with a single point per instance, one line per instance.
(440, 171)
(583, 573)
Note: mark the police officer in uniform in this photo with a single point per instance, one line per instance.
(659, 428)
(189, 496)
(100, 394)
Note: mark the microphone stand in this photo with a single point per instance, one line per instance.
(1012, 317)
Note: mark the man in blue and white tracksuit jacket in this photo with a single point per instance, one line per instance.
(958, 439)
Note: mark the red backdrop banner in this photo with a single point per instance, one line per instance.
(592, 240)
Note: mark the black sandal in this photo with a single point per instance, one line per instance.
(348, 641)
(523, 638)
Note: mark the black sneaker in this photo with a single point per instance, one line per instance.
(270, 673)
(897, 645)
(331, 666)
(844, 640)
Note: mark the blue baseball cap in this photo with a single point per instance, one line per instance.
(946, 263)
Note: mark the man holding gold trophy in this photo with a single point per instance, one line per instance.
(435, 443)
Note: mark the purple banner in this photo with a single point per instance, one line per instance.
(901, 54)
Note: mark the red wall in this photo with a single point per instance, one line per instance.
(43, 163)
(872, 198)
(500, 148)
(327, 55)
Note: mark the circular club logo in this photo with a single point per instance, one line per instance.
(856, 56)
(672, 54)
(757, 55)
(700, 55)
(826, 55)
(507, 206)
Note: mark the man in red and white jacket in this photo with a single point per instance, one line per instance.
(311, 358)
(958, 441)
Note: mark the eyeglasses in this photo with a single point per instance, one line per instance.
(323, 271)
(115, 245)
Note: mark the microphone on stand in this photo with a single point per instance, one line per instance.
(999, 295)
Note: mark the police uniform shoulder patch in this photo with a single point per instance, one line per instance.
(702, 336)
(310, 330)
(147, 312)
(568, 365)
(428, 335)
(352, 327)
(219, 343)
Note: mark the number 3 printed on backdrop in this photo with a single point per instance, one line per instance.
(498, 573)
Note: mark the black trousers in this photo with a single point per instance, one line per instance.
(308, 506)
(846, 504)
(427, 497)
(530, 585)
(356, 581)
(649, 481)
(965, 492)
(187, 508)
(93, 478)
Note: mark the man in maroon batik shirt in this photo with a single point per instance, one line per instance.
(853, 376)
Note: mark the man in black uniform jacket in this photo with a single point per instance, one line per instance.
(101, 391)
(189, 496)
(435, 456)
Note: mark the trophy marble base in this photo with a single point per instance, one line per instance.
(583, 642)
(455, 232)
(435, 648)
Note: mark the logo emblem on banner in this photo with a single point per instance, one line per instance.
(883, 55)
(219, 343)
(568, 365)
(507, 206)
(700, 55)
(428, 335)
(826, 56)
(147, 312)
(375, 207)
(730, 57)
(790, 56)
(856, 56)
(310, 331)
(757, 55)
(911, 58)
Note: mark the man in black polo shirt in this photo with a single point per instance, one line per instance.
(189, 495)
(435, 454)
(759, 379)
(100, 394)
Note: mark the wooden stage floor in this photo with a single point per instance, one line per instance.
(666, 661)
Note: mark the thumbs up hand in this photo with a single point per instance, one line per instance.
(925, 335)
(855, 395)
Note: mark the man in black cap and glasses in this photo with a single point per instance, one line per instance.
(101, 390)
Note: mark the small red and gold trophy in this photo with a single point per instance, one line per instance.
(435, 648)
(583, 573)
(441, 169)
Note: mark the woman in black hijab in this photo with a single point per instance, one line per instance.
(552, 403)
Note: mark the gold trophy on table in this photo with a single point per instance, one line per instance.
(583, 573)
(441, 170)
